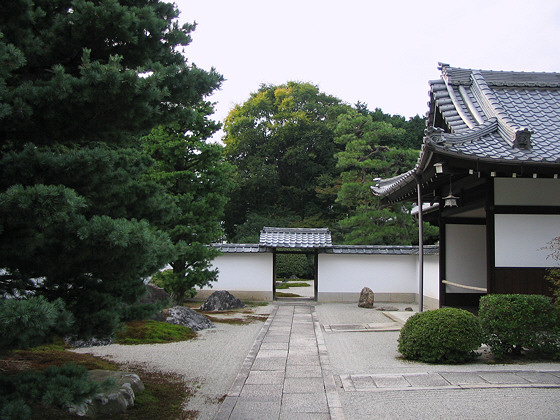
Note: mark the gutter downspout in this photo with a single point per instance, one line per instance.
(420, 248)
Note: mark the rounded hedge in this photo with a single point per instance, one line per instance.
(513, 322)
(446, 335)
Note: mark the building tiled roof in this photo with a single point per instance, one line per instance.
(511, 118)
(239, 248)
(382, 249)
(295, 238)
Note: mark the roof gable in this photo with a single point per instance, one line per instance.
(486, 118)
(295, 238)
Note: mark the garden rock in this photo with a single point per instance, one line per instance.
(113, 400)
(181, 315)
(221, 301)
(90, 342)
(155, 294)
(366, 298)
(387, 308)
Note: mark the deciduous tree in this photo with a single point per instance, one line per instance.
(281, 140)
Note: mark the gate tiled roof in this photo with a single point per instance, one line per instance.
(295, 237)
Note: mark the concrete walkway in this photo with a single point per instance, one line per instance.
(287, 372)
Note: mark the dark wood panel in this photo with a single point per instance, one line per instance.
(459, 300)
(528, 281)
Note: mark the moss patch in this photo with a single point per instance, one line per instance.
(283, 294)
(42, 357)
(292, 284)
(153, 332)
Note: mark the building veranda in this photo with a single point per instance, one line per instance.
(487, 175)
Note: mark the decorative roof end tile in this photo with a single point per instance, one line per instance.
(523, 139)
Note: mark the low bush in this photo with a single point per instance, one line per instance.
(446, 335)
(31, 321)
(55, 386)
(515, 322)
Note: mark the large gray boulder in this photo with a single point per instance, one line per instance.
(155, 294)
(221, 301)
(366, 298)
(181, 315)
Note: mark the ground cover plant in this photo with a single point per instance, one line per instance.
(284, 294)
(516, 323)
(446, 335)
(153, 332)
(286, 284)
(163, 396)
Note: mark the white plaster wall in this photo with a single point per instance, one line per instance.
(244, 271)
(342, 276)
(520, 239)
(527, 192)
(431, 276)
(381, 273)
(465, 253)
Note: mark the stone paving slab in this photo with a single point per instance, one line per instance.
(287, 374)
(450, 380)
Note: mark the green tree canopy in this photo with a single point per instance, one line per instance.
(192, 171)
(365, 158)
(281, 141)
(80, 82)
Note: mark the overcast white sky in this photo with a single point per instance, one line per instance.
(381, 53)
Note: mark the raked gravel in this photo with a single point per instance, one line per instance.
(209, 363)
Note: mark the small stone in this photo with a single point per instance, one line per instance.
(221, 300)
(181, 315)
(409, 309)
(366, 298)
(387, 308)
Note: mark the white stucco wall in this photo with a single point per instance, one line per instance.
(381, 273)
(384, 274)
(521, 239)
(393, 278)
(526, 192)
(244, 271)
(465, 253)
(431, 276)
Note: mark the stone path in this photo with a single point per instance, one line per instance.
(450, 380)
(287, 372)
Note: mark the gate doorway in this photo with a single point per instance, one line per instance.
(305, 243)
(300, 284)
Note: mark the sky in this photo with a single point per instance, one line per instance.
(381, 53)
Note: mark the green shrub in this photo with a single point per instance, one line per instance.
(29, 322)
(57, 386)
(553, 277)
(512, 323)
(299, 265)
(446, 335)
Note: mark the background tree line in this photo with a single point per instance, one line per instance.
(306, 159)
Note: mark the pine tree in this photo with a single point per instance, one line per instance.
(366, 156)
(80, 83)
(193, 172)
